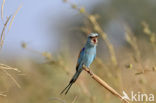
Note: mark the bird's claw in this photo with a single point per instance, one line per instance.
(90, 72)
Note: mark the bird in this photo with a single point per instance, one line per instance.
(86, 57)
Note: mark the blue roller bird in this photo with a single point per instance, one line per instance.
(86, 57)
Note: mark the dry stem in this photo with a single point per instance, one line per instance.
(104, 84)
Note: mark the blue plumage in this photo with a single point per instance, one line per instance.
(86, 57)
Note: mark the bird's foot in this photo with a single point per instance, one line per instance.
(90, 72)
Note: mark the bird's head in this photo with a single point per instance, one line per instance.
(92, 39)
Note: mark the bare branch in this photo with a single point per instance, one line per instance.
(104, 84)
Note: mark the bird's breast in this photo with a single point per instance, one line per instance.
(89, 57)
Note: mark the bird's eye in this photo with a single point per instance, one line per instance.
(91, 37)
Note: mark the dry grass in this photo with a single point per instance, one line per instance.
(6, 67)
(3, 32)
(3, 67)
(2, 94)
(133, 71)
(104, 84)
(2, 9)
(96, 28)
(74, 99)
(13, 17)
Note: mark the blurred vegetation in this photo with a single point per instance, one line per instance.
(130, 67)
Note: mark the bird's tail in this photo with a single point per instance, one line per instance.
(74, 78)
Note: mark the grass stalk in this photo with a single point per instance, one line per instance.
(104, 84)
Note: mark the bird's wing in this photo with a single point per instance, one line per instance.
(81, 54)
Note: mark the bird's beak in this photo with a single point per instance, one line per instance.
(95, 41)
